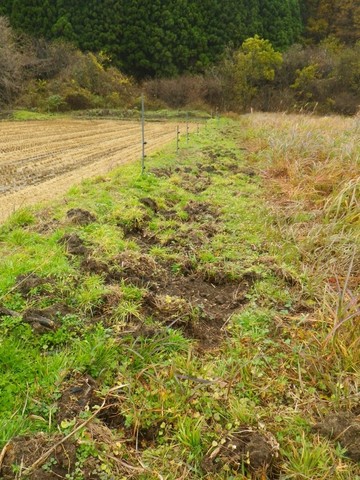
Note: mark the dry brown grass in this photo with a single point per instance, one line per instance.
(312, 167)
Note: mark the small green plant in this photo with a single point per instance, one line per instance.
(189, 436)
(310, 461)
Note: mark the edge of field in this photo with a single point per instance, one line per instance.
(163, 326)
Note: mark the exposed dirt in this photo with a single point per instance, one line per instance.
(27, 284)
(24, 451)
(40, 160)
(150, 203)
(343, 427)
(6, 312)
(38, 321)
(79, 393)
(63, 463)
(92, 265)
(78, 216)
(257, 451)
(46, 319)
(74, 244)
(195, 184)
(165, 172)
(189, 302)
(200, 211)
(143, 237)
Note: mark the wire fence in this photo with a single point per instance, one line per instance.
(41, 159)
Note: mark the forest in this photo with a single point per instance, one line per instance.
(162, 38)
(266, 55)
(147, 38)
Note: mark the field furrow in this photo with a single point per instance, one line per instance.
(41, 160)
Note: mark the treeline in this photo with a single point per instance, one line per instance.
(56, 76)
(321, 79)
(162, 38)
(324, 18)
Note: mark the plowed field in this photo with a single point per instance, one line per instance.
(41, 160)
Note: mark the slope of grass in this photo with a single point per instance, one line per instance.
(181, 317)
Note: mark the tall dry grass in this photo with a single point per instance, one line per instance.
(312, 168)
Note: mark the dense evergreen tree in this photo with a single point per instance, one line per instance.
(158, 37)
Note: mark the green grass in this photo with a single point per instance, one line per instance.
(270, 369)
(22, 115)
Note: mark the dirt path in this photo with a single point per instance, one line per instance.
(41, 160)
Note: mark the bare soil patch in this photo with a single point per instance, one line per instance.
(79, 216)
(74, 244)
(343, 427)
(190, 302)
(22, 452)
(77, 394)
(257, 451)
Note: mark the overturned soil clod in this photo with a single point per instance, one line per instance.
(197, 184)
(200, 211)
(139, 269)
(197, 307)
(79, 216)
(29, 282)
(22, 452)
(74, 244)
(6, 312)
(344, 428)
(255, 452)
(150, 203)
(76, 395)
(46, 319)
(164, 172)
(91, 265)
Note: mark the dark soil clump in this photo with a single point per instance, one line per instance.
(78, 216)
(91, 265)
(195, 184)
(30, 281)
(22, 452)
(111, 415)
(77, 394)
(165, 172)
(198, 308)
(38, 322)
(150, 203)
(200, 211)
(6, 312)
(138, 269)
(343, 427)
(144, 238)
(74, 244)
(254, 451)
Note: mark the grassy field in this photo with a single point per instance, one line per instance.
(200, 321)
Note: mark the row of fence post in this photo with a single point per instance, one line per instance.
(143, 141)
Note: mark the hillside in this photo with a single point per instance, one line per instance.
(158, 38)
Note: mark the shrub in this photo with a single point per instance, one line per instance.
(56, 103)
(176, 92)
(79, 100)
(11, 62)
